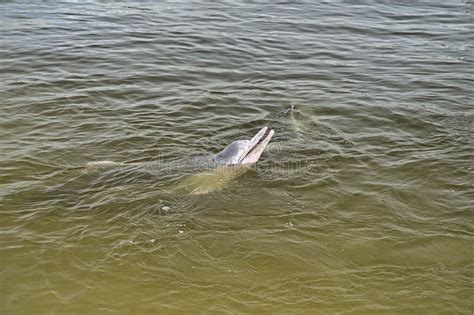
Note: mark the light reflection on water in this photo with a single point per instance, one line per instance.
(362, 203)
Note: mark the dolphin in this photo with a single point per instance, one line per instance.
(244, 151)
(228, 164)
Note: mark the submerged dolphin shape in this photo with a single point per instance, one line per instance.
(244, 151)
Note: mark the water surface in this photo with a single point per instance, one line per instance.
(362, 204)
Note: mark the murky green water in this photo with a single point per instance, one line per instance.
(363, 203)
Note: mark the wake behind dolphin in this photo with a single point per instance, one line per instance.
(238, 152)
(220, 169)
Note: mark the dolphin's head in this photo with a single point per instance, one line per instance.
(244, 151)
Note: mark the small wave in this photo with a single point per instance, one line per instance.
(104, 163)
